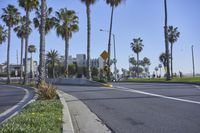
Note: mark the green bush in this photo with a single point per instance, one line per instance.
(38, 117)
(47, 91)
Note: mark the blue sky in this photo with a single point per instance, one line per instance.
(132, 19)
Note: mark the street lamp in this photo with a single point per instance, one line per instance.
(115, 60)
(192, 48)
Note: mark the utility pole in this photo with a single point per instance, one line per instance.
(192, 48)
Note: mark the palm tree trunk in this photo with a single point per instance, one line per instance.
(66, 53)
(8, 56)
(109, 42)
(26, 48)
(88, 41)
(21, 58)
(171, 60)
(53, 69)
(166, 41)
(41, 77)
(31, 68)
(137, 65)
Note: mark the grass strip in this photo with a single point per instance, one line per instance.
(184, 80)
(42, 116)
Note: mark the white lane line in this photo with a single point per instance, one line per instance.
(198, 87)
(15, 106)
(152, 94)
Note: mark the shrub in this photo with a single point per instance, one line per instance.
(47, 91)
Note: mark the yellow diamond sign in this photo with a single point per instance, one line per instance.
(104, 55)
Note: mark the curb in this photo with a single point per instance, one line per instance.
(8, 111)
(67, 120)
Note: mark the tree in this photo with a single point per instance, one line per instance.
(166, 42)
(28, 6)
(3, 34)
(147, 63)
(173, 35)
(50, 20)
(137, 47)
(31, 50)
(21, 33)
(72, 70)
(11, 18)
(160, 66)
(66, 24)
(52, 60)
(113, 4)
(95, 72)
(88, 3)
(163, 59)
(156, 69)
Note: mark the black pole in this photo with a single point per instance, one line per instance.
(192, 48)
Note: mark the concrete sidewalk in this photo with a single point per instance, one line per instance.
(83, 120)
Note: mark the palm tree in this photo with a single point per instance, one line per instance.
(21, 33)
(166, 42)
(66, 23)
(113, 4)
(31, 49)
(173, 35)
(50, 20)
(3, 34)
(160, 66)
(137, 47)
(28, 6)
(52, 60)
(11, 18)
(88, 3)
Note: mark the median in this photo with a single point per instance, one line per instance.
(43, 115)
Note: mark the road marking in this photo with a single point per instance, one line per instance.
(152, 94)
(15, 106)
(198, 87)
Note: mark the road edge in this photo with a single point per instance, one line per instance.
(3, 114)
(67, 120)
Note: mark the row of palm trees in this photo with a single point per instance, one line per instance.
(65, 22)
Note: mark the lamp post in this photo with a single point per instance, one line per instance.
(115, 60)
(192, 48)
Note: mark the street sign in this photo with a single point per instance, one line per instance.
(104, 55)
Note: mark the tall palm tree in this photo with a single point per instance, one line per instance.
(166, 42)
(50, 20)
(21, 33)
(52, 60)
(31, 50)
(3, 34)
(173, 35)
(88, 3)
(137, 47)
(66, 24)
(28, 6)
(11, 18)
(113, 4)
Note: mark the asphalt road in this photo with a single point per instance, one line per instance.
(12, 99)
(143, 107)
